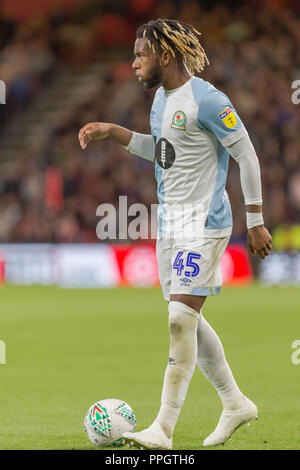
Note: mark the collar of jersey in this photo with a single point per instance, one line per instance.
(170, 92)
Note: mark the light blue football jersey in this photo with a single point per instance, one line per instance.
(191, 125)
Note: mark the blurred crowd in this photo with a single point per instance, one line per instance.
(50, 193)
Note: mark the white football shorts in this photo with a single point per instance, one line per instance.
(190, 267)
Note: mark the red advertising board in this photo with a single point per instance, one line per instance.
(235, 265)
(138, 265)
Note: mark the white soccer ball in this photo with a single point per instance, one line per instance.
(107, 420)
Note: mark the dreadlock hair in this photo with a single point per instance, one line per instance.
(176, 37)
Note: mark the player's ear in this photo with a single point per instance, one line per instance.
(165, 58)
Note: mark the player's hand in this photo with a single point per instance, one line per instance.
(259, 241)
(93, 131)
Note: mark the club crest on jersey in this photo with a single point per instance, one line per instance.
(228, 117)
(179, 120)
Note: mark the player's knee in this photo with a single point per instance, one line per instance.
(175, 318)
(180, 316)
(175, 327)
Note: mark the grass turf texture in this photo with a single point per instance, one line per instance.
(67, 349)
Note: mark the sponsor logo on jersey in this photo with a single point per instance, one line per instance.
(228, 117)
(179, 120)
(164, 153)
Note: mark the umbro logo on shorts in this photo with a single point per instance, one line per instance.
(185, 280)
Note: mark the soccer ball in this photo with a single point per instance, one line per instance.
(107, 420)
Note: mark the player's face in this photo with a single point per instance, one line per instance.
(146, 64)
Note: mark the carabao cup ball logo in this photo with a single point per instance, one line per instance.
(179, 120)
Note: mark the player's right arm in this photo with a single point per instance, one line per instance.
(139, 144)
(101, 130)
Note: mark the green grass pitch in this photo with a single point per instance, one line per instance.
(67, 349)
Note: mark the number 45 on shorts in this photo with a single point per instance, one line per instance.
(179, 265)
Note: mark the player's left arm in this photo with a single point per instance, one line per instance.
(217, 115)
(243, 152)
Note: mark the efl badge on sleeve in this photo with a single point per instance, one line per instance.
(228, 117)
(179, 120)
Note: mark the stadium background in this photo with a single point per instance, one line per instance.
(68, 62)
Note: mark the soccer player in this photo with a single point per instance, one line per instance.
(194, 128)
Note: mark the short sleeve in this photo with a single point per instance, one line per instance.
(217, 114)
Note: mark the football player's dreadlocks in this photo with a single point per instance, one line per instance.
(177, 38)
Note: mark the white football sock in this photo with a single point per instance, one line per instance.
(212, 362)
(183, 322)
